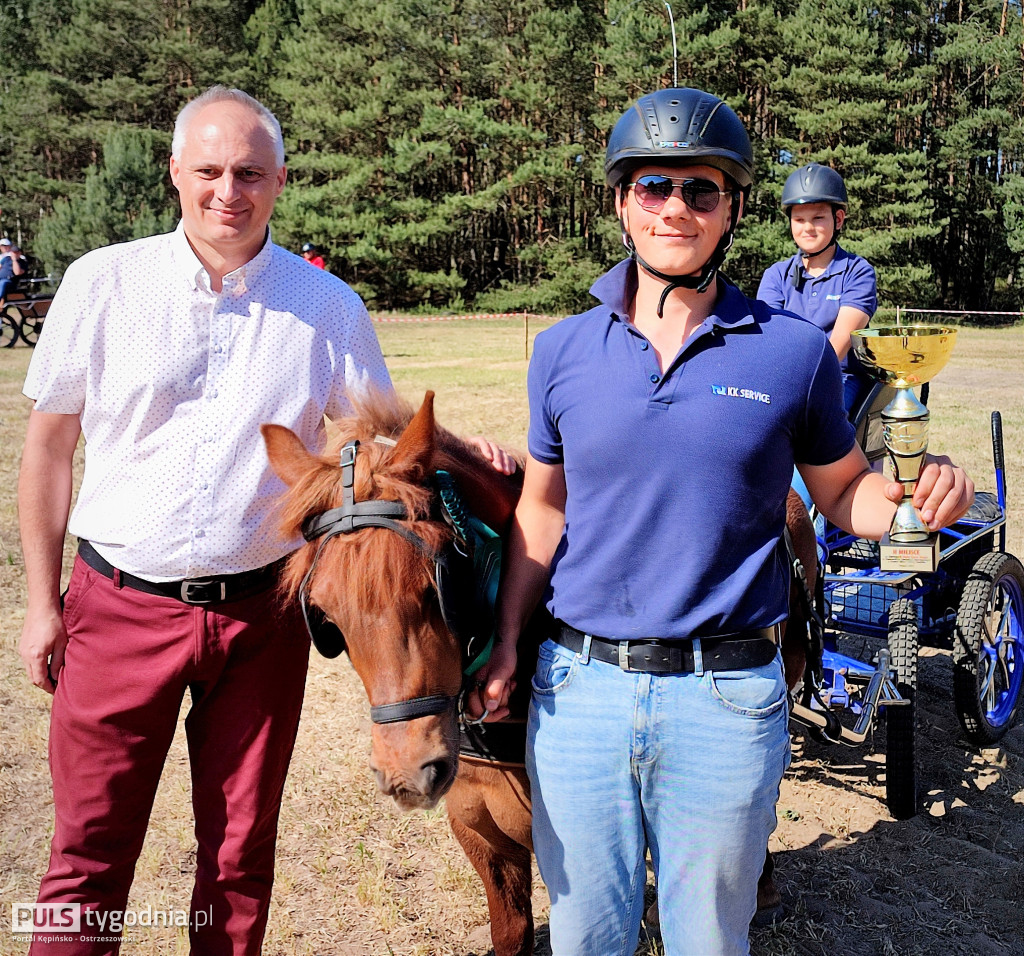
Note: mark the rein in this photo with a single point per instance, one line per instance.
(353, 516)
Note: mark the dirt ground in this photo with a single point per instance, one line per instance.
(358, 878)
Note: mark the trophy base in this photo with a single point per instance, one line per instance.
(909, 555)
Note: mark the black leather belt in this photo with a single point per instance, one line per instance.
(228, 587)
(741, 650)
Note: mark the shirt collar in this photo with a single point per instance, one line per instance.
(188, 265)
(617, 287)
(839, 263)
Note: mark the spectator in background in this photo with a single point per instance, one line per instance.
(12, 265)
(312, 255)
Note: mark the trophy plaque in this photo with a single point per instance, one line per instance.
(905, 356)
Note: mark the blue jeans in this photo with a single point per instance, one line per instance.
(687, 765)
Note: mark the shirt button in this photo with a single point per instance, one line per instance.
(654, 378)
(203, 486)
(200, 533)
(212, 393)
(644, 346)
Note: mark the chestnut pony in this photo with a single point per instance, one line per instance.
(381, 589)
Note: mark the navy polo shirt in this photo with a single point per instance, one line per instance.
(677, 483)
(848, 280)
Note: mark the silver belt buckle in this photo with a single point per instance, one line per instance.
(203, 583)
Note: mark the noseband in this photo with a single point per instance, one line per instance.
(451, 566)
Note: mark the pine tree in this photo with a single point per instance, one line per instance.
(974, 144)
(123, 198)
(851, 98)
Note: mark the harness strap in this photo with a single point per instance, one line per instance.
(355, 515)
(411, 709)
(814, 644)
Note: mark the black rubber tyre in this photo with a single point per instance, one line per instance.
(988, 648)
(901, 721)
(31, 326)
(8, 330)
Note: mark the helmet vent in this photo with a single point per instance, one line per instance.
(673, 119)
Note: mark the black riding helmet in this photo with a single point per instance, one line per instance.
(682, 127)
(816, 183)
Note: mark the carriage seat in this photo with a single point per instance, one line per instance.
(984, 509)
(866, 418)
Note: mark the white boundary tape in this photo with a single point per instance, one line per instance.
(457, 318)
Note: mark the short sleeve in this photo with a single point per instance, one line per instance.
(772, 287)
(358, 360)
(827, 434)
(544, 440)
(57, 374)
(860, 288)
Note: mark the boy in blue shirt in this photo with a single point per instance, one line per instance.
(823, 283)
(664, 426)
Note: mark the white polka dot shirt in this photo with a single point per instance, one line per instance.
(172, 381)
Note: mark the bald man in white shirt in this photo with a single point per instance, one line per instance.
(167, 353)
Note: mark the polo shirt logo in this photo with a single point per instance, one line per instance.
(833, 298)
(734, 391)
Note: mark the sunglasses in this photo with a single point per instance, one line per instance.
(701, 195)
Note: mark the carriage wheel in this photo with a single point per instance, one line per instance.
(988, 648)
(8, 330)
(901, 721)
(31, 326)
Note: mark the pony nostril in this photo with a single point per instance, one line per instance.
(436, 775)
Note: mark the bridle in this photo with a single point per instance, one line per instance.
(453, 565)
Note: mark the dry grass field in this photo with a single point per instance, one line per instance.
(358, 878)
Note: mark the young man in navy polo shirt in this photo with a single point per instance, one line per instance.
(664, 426)
(823, 283)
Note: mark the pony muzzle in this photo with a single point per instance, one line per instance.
(415, 762)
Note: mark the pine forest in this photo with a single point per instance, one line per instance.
(447, 154)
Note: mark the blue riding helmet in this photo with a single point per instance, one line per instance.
(809, 184)
(814, 183)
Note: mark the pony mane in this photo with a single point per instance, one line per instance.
(376, 565)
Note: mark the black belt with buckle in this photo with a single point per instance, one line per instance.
(738, 651)
(212, 590)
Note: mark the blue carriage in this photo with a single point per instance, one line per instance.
(972, 605)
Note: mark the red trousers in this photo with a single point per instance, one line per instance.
(130, 658)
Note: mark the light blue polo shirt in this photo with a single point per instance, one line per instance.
(677, 483)
(848, 280)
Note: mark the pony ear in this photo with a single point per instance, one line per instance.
(288, 456)
(414, 450)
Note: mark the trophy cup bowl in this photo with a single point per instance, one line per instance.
(904, 356)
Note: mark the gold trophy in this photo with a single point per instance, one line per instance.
(904, 356)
